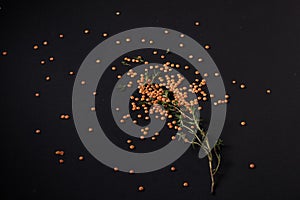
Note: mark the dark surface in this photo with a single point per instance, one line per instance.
(256, 43)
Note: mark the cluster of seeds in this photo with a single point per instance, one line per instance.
(60, 153)
(167, 90)
(65, 116)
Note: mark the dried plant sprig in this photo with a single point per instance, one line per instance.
(174, 98)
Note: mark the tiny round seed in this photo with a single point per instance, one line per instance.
(141, 188)
(80, 158)
(129, 141)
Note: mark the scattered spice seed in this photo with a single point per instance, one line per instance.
(153, 138)
(118, 13)
(61, 153)
(37, 131)
(45, 43)
(35, 47)
(207, 47)
(47, 78)
(67, 116)
(61, 36)
(82, 82)
(268, 91)
(131, 147)
(94, 93)
(173, 169)
(185, 184)
(86, 31)
(113, 68)
(104, 34)
(197, 23)
(80, 158)
(243, 123)
(233, 82)
(141, 188)
(62, 116)
(129, 141)
(37, 94)
(131, 171)
(4, 53)
(43, 62)
(116, 169)
(71, 73)
(242, 86)
(173, 137)
(252, 165)
(61, 161)
(51, 58)
(90, 129)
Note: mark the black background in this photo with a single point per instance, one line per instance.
(253, 42)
